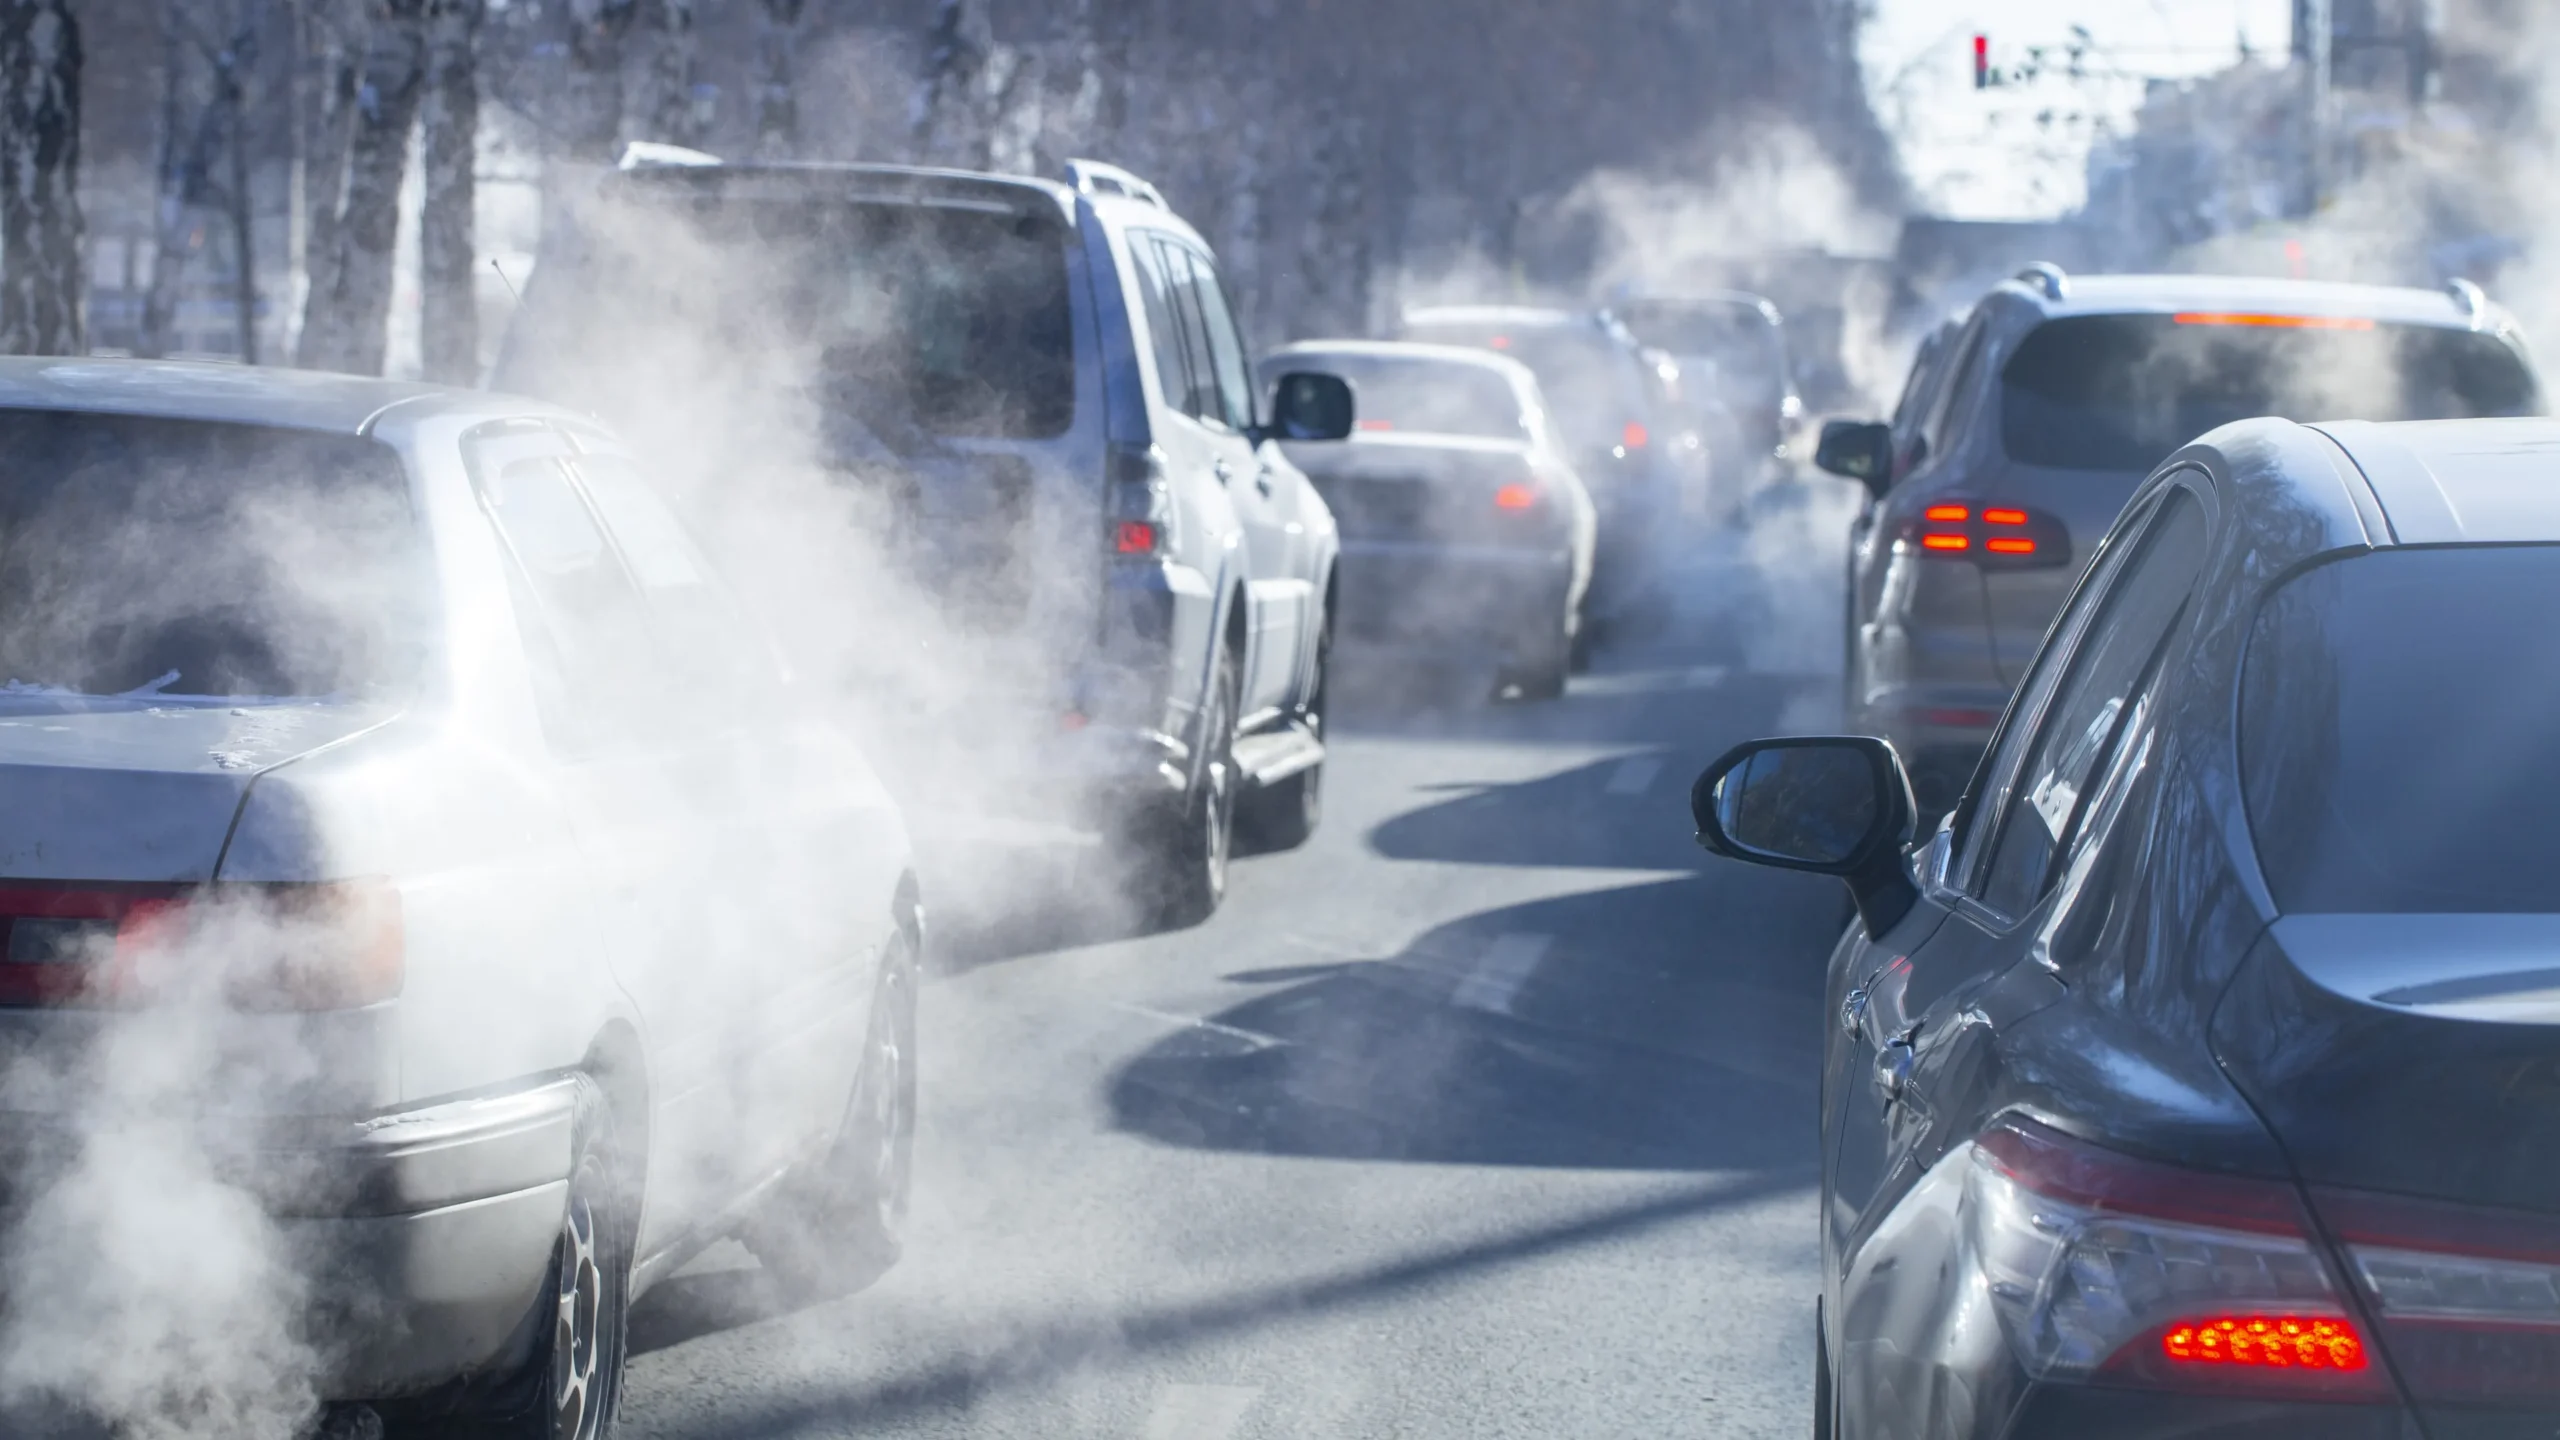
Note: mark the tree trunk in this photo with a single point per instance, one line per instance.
(596, 32)
(332, 48)
(777, 104)
(670, 112)
(449, 321)
(948, 128)
(43, 279)
(343, 321)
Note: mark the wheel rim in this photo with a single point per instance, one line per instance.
(888, 1107)
(575, 1352)
(1219, 783)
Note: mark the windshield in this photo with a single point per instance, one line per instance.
(1427, 397)
(172, 557)
(2396, 733)
(950, 321)
(2123, 392)
(1594, 388)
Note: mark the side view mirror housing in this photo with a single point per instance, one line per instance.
(1310, 405)
(1860, 450)
(1828, 804)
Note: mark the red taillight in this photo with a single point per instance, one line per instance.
(1946, 514)
(1634, 436)
(1999, 517)
(327, 946)
(1135, 537)
(1937, 541)
(1993, 535)
(2010, 545)
(1515, 497)
(2274, 322)
(1374, 424)
(2273, 1342)
(1500, 342)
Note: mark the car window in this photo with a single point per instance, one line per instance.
(1200, 401)
(1395, 394)
(2108, 664)
(1915, 386)
(715, 657)
(1226, 347)
(1164, 327)
(588, 620)
(1935, 431)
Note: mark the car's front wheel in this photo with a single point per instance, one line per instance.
(1185, 874)
(1284, 814)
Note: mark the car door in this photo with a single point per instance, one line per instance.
(1178, 352)
(1276, 591)
(1917, 1025)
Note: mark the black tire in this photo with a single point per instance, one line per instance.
(578, 1336)
(1824, 1427)
(1543, 675)
(1578, 653)
(842, 1224)
(1285, 813)
(1186, 854)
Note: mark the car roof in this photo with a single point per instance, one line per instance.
(2460, 482)
(1519, 317)
(1410, 350)
(800, 179)
(1766, 308)
(2255, 295)
(232, 394)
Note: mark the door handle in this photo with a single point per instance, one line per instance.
(1893, 1066)
(1853, 1010)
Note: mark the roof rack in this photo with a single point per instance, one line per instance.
(1093, 177)
(2473, 300)
(651, 155)
(2048, 279)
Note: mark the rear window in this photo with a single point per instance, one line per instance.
(2122, 392)
(911, 319)
(2397, 715)
(1749, 353)
(1420, 396)
(171, 557)
(1593, 387)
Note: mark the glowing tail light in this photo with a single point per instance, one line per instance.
(1135, 537)
(327, 946)
(1935, 541)
(2010, 545)
(2274, 322)
(1946, 514)
(1515, 497)
(2274, 1342)
(1993, 535)
(1635, 436)
(1374, 424)
(1998, 516)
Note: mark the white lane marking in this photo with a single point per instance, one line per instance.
(1200, 1412)
(1495, 980)
(1634, 774)
(1255, 1038)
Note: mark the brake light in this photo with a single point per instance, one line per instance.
(1634, 437)
(1140, 513)
(1994, 535)
(2275, 322)
(2104, 1265)
(326, 946)
(1515, 497)
(1135, 537)
(1999, 517)
(1374, 424)
(1500, 342)
(1947, 514)
(2010, 545)
(1934, 541)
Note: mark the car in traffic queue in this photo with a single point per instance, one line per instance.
(2023, 431)
(1043, 383)
(2194, 1075)
(1606, 400)
(390, 765)
(1466, 537)
(1737, 377)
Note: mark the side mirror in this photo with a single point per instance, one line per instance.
(1310, 405)
(1833, 805)
(1860, 450)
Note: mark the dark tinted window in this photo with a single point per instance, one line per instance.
(189, 558)
(1423, 397)
(2122, 392)
(1200, 400)
(2107, 669)
(952, 320)
(1165, 347)
(1226, 347)
(1594, 387)
(2396, 733)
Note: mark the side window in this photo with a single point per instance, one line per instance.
(1200, 402)
(592, 626)
(713, 652)
(1935, 433)
(1164, 328)
(2107, 668)
(1226, 347)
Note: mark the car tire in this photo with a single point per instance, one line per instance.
(1187, 852)
(1578, 651)
(840, 1225)
(1825, 1427)
(1285, 813)
(577, 1338)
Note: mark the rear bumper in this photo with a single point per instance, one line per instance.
(2091, 1412)
(1438, 598)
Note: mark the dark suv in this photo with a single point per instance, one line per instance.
(2023, 432)
(1114, 590)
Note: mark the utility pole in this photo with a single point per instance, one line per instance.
(2314, 48)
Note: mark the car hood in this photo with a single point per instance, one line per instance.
(139, 788)
(2418, 1054)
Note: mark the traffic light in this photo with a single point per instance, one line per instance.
(1981, 62)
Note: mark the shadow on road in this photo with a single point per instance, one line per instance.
(1672, 1025)
(1570, 818)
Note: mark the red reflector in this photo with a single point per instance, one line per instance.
(2010, 545)
(1634, 436)
(1134, 537)
(325, 946)
(1500, 342)
(2276, 322)
(1375, 424)
(2004, 517)
(2274, 1342)
(1945, 542)
(1515, 497)
(1946, 513)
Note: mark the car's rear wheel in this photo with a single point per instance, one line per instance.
(1824, 1428)
(842, 1224)
(1187, 853)
(1542, 676)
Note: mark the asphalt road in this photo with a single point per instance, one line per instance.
(1489, 1112)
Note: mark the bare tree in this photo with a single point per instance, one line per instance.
(343, 319)
(670, 112)
(448, 259)
(597, 29)
(204, 163)
(43, 281)
(777, 102)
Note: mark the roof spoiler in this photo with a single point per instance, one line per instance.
(2473, 300)
(2047, 279)
(651, 155)
(1093, 177)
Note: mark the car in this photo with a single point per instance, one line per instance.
(1465, 534)
(1739, 380)
(2040, 416)
(1123, 587)
(398, 809)
(1604, 397)
(2192, 1078)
